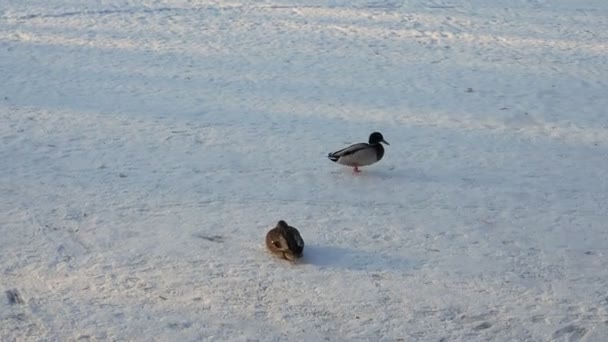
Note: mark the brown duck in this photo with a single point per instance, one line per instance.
(285, 241)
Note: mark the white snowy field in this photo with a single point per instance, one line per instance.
(148, 146)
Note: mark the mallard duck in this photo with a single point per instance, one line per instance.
(285, 241)
(360, 154)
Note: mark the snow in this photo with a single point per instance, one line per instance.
(148, 146)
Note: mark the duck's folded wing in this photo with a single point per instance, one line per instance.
(349, 150)
(299, 241)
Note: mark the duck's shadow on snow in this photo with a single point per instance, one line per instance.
(357, 260)
(392, 173)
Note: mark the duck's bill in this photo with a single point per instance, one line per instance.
(384, 141)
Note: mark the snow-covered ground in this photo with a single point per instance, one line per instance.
(147, 147)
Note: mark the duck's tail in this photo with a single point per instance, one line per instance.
(333, 157)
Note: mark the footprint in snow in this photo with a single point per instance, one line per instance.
(214, 238)
(571, 332)
(14, 297)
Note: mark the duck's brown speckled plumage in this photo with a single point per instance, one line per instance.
(285, 241)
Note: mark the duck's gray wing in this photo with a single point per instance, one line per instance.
(347, 151)
(297, 237)
(362, 157)
(295, 241)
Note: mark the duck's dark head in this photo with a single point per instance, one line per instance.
(376, 138)
(282, 224)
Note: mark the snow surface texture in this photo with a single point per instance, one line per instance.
(148, 146)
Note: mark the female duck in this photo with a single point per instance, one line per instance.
(361, 154)
(285, 241)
